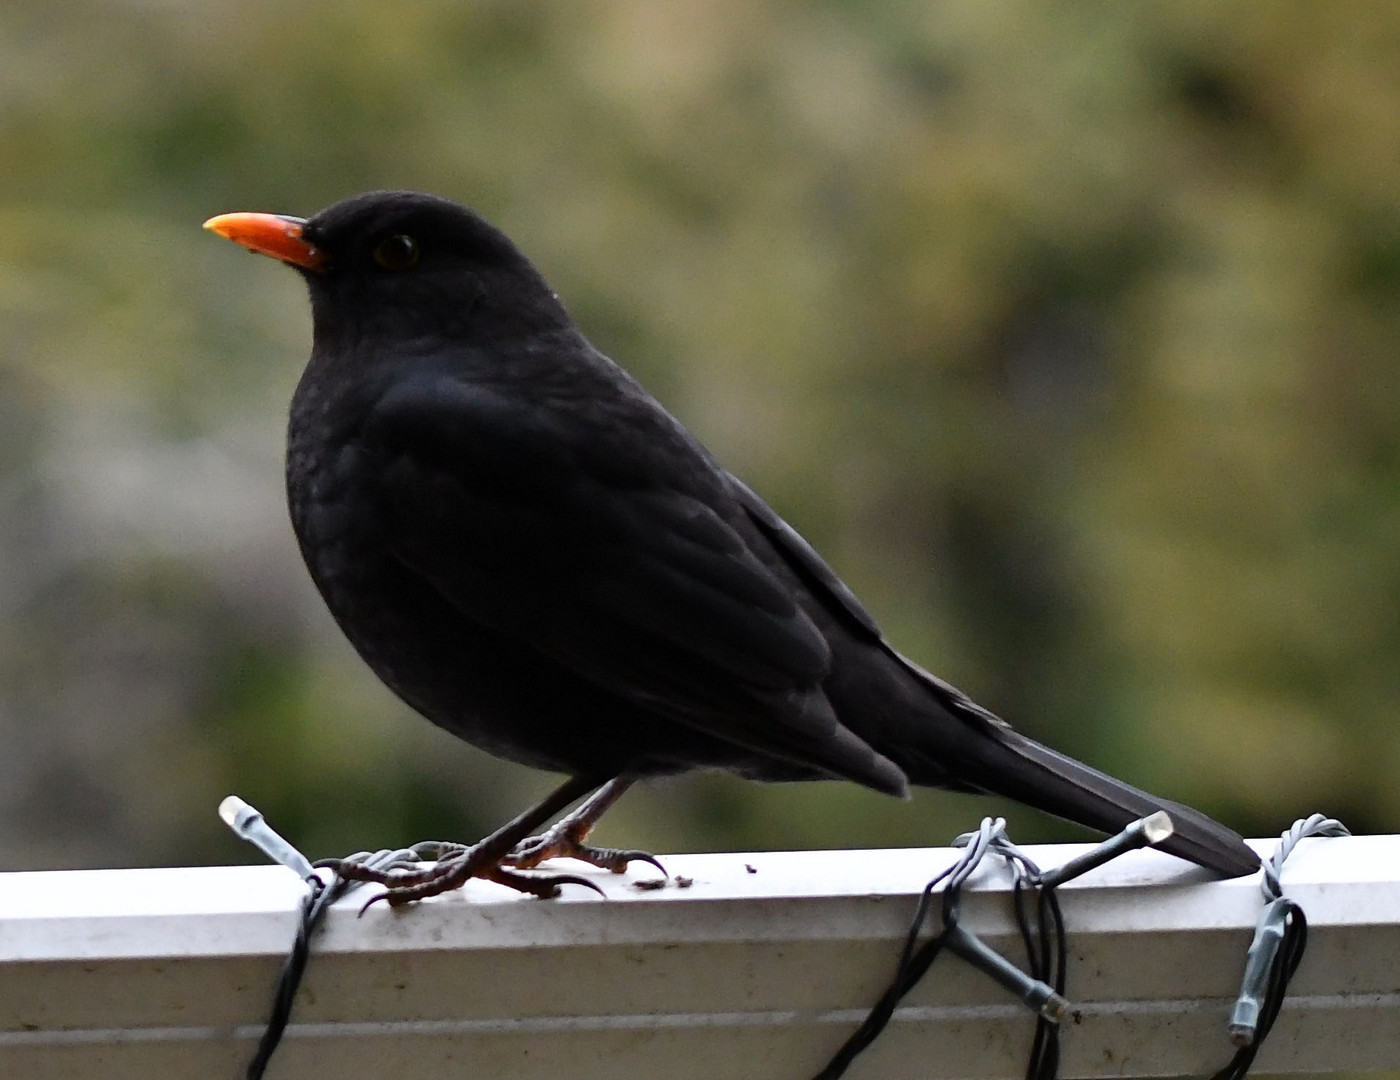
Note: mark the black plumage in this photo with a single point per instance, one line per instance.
(535, 555)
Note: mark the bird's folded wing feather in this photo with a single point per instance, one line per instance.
(620, 565)
(838, 599)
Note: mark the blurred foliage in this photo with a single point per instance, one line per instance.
(1067, 333)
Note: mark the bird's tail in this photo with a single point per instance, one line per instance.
(1000, 761)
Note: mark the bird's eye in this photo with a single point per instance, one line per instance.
(397, 252)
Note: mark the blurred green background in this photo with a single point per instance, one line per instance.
(1067, 333)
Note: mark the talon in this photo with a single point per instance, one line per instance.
(642, 856)
(370, 903)
(566, 838)
(569, 879)
(407, 886)
(560, 844)
(503, 857)
(545, 886)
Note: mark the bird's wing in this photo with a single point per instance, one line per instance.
(605, 546)
(838, 599)
(820, 578)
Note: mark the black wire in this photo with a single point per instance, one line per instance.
(915, 959)
(312, 910)
(1047, 949)
(1046, 952)
(1290, 955)
(293, 968)
(1291, 947)
(1044, 938)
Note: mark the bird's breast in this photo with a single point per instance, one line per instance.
(331, 512)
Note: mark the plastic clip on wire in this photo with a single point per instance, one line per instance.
(1280, 937)
(250, 826)
(1043, 988)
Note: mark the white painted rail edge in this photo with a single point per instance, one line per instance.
(762, 974)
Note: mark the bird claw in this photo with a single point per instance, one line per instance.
(565, 844)
(406, 882)
(545, 886)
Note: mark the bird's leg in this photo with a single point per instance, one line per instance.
(565, 838)
(457, 864)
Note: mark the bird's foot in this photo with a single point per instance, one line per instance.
(455, 864)
(566, 841)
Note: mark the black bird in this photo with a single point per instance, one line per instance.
(535, 555)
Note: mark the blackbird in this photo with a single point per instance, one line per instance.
(535, 555)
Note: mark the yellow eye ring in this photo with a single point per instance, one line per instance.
(397, 252)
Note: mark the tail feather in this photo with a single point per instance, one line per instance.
(1003, 762)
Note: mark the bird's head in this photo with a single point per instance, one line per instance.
(404, 267)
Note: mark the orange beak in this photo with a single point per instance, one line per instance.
(270, 234)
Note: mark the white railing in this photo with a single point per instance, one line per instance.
(759, 969)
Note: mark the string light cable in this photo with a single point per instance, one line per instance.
(320, 895)
(1274, 955)
(1280, 938)
(1042, 933)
